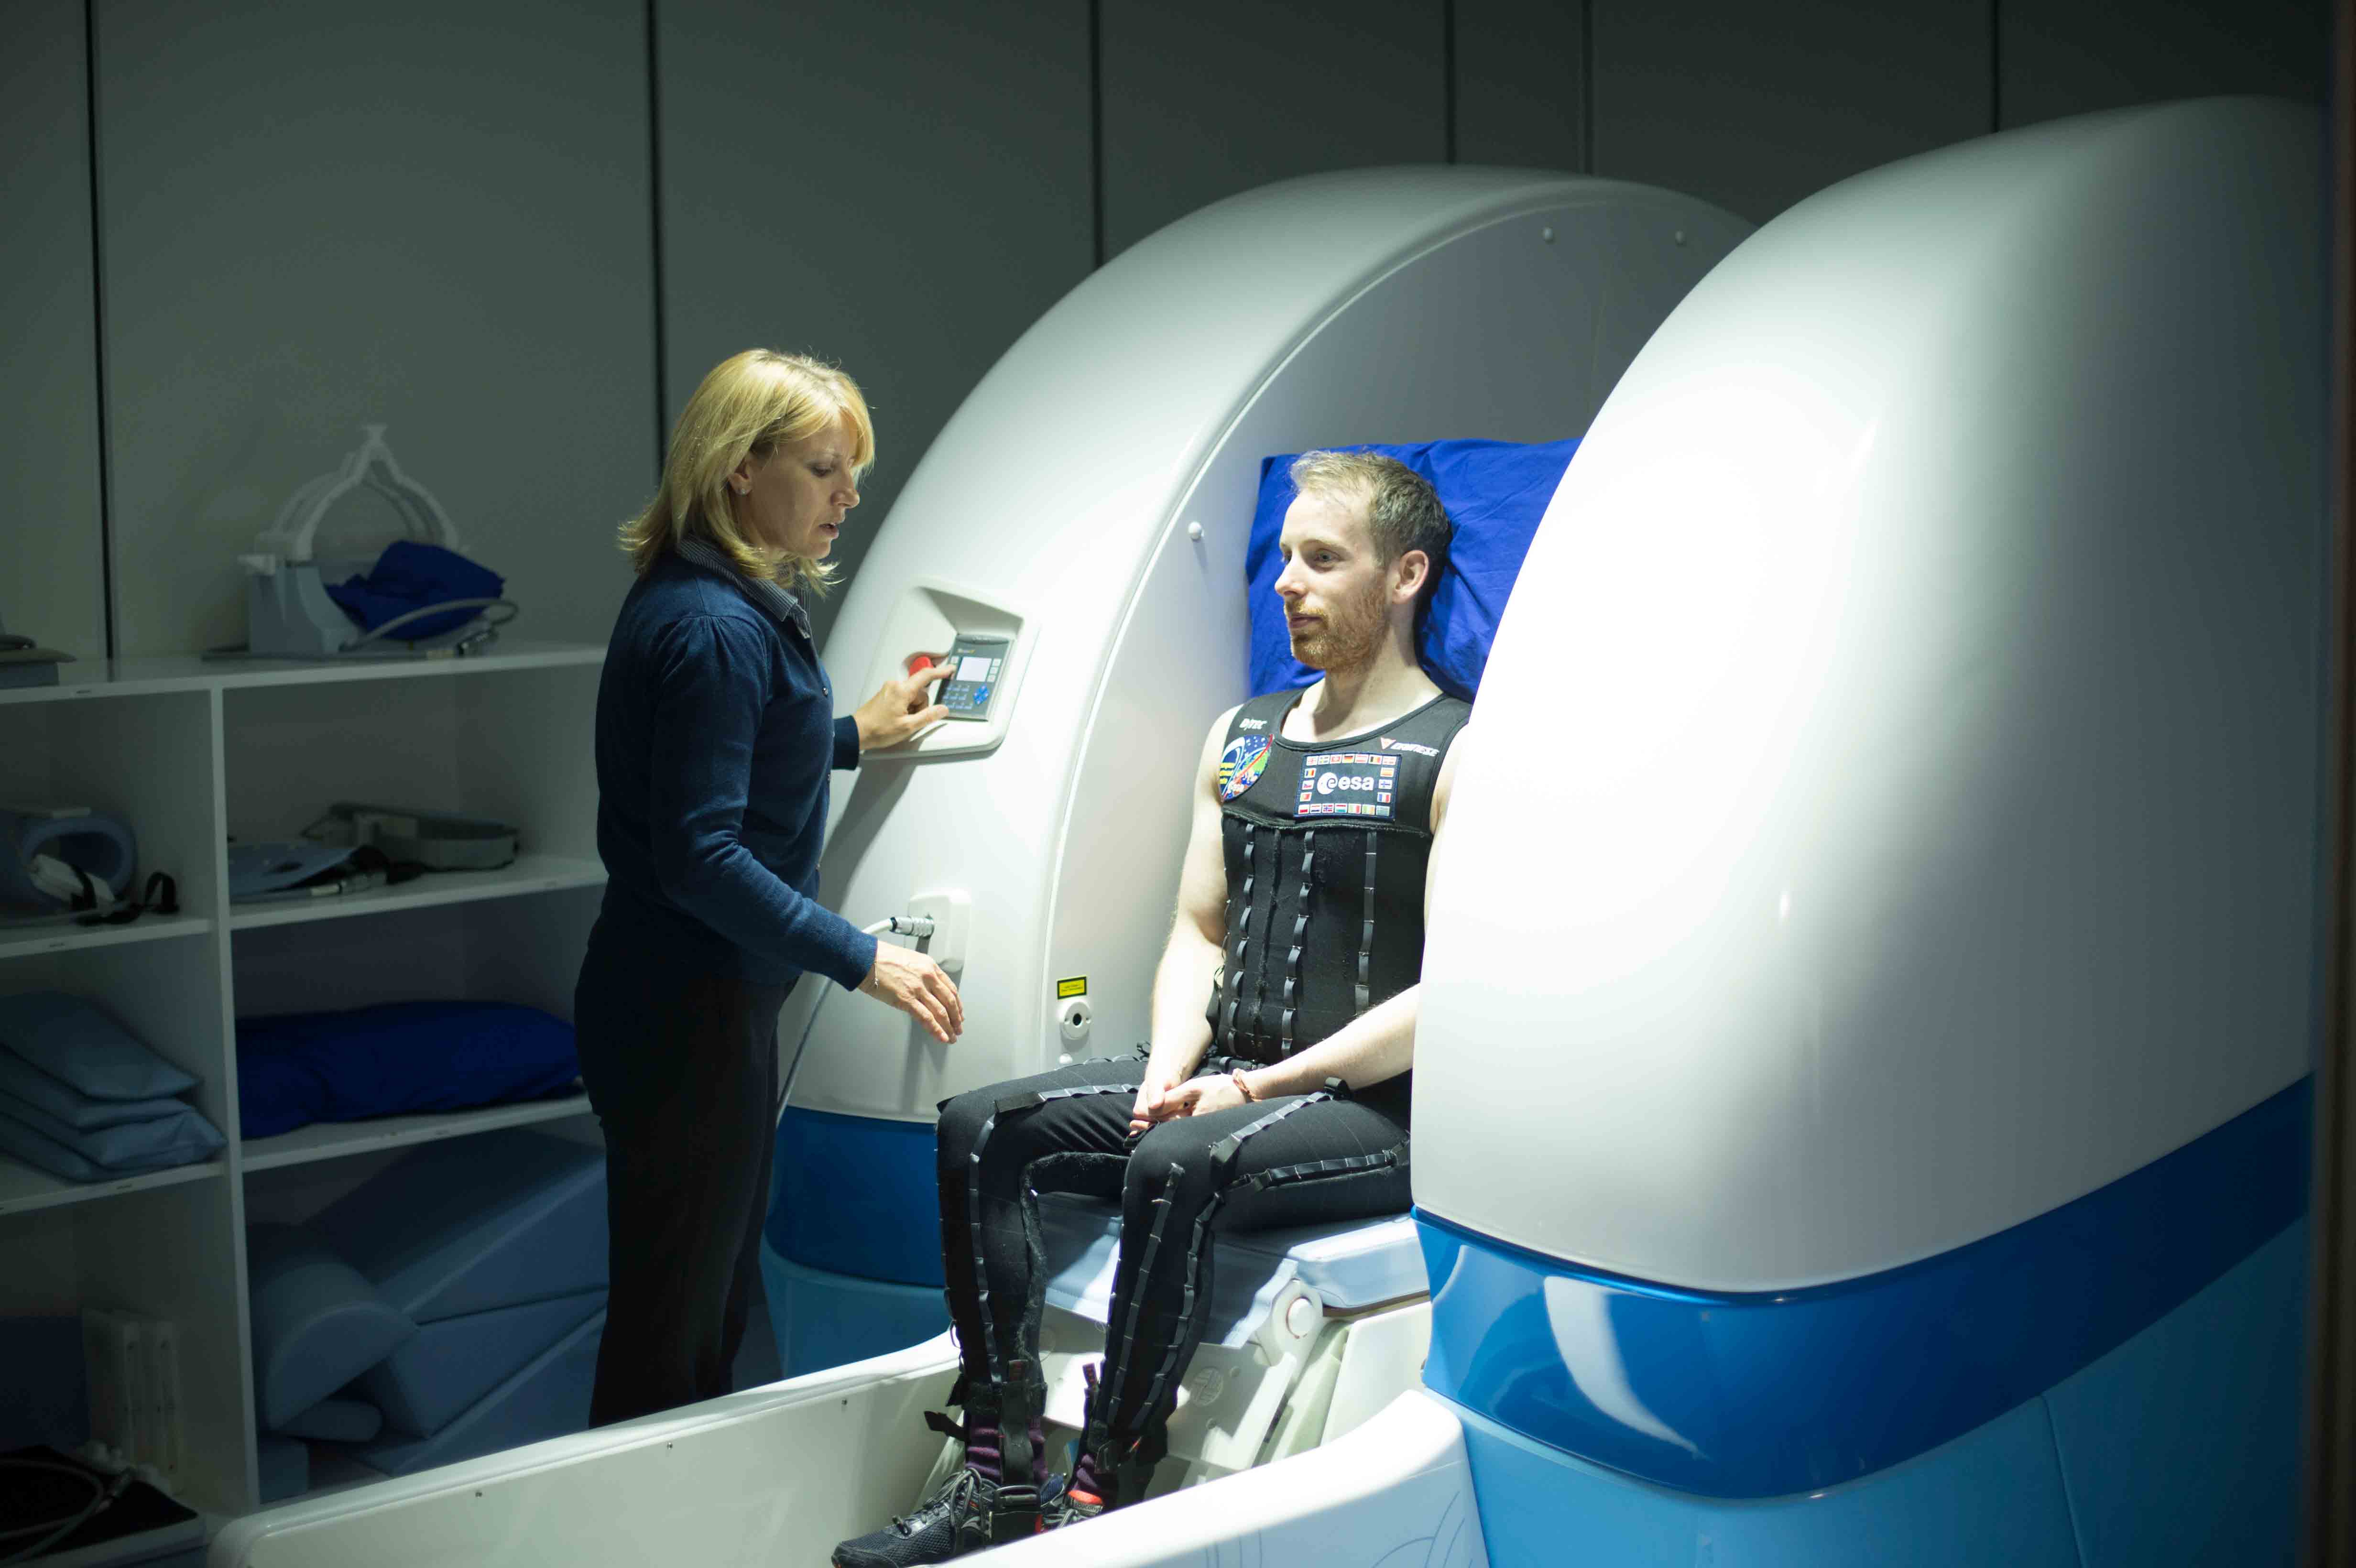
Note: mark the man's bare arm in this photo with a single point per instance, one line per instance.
(1190, 961)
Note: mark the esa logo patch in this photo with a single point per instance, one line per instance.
(1241, 764)
(1348, 783)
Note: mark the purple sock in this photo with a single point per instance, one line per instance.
(984, 1453)
(981, 1450)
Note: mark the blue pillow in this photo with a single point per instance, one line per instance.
(302, 1068)
(178, 1138)
(1496, 492)
(70, 1105)
(69, 1038)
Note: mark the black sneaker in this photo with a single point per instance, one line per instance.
(966, 1514)
(1059, 1506)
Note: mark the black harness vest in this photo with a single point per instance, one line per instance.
(1325, 846)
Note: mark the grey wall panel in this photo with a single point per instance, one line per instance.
(435, 216)
(1518, 84)
(51, 576)
(1754, 107)
(1203, 100)
(2071, 56)
(903, 193)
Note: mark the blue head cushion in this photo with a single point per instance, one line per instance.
(1495, 491)
(410, 576)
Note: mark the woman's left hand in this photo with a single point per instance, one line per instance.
(1199, 1097)
(899, 709)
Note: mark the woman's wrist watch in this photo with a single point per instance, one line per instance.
(1243, 1088)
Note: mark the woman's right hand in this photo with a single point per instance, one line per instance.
(916, 985)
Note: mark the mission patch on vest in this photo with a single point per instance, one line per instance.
(1241, 764)
(1348, 783)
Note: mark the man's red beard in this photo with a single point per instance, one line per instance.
(1346, 634)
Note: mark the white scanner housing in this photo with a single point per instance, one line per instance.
(1891, 812)
(1062, 506)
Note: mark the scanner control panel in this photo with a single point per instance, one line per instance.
(977, 664)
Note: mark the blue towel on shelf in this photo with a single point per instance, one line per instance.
(70, 1105)
(180, 1136)
(401, 1057)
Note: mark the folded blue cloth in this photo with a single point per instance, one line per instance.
(38, 1149)
(403, 1056)
(47, 1154)
(70, 1105)
(172, 1139)
(69, 1039)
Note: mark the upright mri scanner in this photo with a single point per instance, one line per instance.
(1860, 1092)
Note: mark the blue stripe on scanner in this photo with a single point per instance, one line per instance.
(1761, 1395)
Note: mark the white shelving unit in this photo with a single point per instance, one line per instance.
(191, 752)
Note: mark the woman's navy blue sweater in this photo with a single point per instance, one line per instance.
(715, 734)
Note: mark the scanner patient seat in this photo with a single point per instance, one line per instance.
(1310, 1331)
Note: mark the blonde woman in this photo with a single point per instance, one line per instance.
(716, 736)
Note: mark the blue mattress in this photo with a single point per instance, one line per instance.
(548, 1398)
(454, 1361)
(475, 1223)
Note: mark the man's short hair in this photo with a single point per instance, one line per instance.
(1403, 511)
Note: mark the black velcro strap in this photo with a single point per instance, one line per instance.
(939, 1422)
(1014, 1103)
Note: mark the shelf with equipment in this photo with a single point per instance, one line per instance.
(528, 874)
(47, 937)
(191, 751)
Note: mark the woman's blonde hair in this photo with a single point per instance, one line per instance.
(748, 406)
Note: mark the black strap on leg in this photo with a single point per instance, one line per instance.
(1018, 1406)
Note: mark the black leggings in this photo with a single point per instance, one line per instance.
(1296, 1159)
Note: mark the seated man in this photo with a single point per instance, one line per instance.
(1275, 1091)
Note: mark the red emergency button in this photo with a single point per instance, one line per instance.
(917, 661)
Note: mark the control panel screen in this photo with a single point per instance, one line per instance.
(979, 663)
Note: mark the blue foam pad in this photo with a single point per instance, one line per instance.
(285, 1467)
(70, 1038)
(1495, 493)
(336, 1421)
(400, 1057)
(549, 1398)
(317, 1324)
(454, 1361)
(470, 1224)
